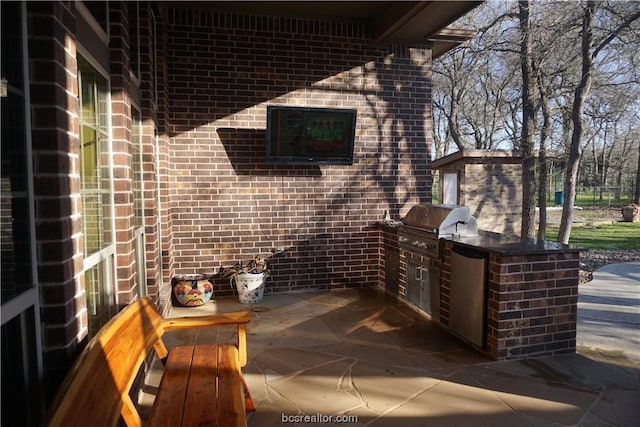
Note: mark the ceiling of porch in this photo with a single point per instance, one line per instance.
(421, 22)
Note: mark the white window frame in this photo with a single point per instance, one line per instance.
(140, 244)
(108, 253)
(450, 188)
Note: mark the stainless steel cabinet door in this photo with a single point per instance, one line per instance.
(467, 299)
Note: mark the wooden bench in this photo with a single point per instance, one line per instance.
(200, 385)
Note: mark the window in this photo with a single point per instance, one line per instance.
(14, 202)
(138, 201)
(19, 366)
(20, 344)
(96, 282)
(96, 190)
(450, 189)
(94, 159)
(138, 169)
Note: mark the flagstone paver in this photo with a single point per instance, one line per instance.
(363, 353)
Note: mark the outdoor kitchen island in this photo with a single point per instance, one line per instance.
(507, 296)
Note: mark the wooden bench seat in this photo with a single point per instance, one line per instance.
(200, 385)
(188, 394)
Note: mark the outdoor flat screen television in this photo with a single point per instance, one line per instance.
(304, 135)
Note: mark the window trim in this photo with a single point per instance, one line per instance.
(92, 22)
(140, 231)
(107, 253)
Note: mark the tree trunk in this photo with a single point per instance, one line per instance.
(453, 120)
(528, 124)
(636, 197)
(575, 148)
(542, 159)
(606, 160)
(618, 184)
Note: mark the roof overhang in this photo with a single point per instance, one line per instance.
(410, 22)
(476, 155)
(448, 38)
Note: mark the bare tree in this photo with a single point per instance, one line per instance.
(575, 149)
(623, 155)
(542, 155)
(527, 87)
(589, 51)
(636, 197)
(472, 89)
(452, 87)
(528, 122)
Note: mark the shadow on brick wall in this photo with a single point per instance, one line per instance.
(246, 152)
(319, 263)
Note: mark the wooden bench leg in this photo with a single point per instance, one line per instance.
(161, 351)
(248, 400)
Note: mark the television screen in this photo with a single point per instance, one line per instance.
(303, 135)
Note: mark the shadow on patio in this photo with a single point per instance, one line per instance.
(363, 353)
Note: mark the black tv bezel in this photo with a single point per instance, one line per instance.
(345, 157)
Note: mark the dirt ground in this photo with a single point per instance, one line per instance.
(587, 216)
(614, 357)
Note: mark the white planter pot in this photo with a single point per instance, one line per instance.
(250, 287)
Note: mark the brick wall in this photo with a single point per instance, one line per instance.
(390, 261)
(56, 163)
(493, 191)
(531, 303)
(490, 183)
(228, 205)
(160, 112)
(210, 199)
(121, 134)
(128, 89)
(58, 209)
(152, 163)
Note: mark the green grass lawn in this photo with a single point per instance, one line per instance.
(619, 235)
(608, 199)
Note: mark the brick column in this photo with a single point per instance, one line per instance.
(160, 111)
(55, 135)
(122, 151)
(532, 304)
(149, 106)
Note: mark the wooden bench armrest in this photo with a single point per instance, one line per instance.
(240, 318)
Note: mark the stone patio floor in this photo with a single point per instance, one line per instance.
(362, 353)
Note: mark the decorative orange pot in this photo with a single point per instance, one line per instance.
(192, 290)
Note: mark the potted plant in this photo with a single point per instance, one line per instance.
(191, 290)
(249, 279)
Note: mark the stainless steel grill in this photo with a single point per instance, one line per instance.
(420, 234)
(425, 224)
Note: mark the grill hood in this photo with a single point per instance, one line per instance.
(443, 220)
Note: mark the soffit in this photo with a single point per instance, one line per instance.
(422, 22)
